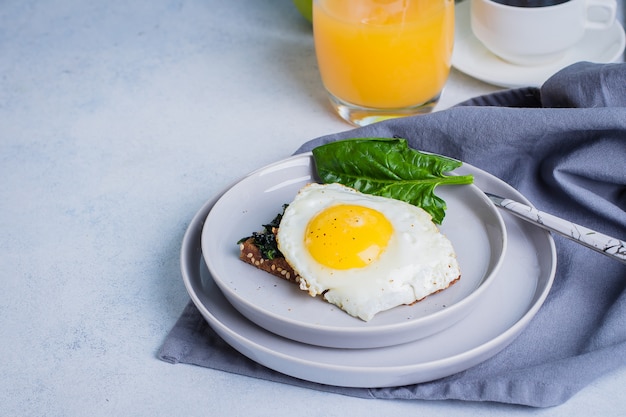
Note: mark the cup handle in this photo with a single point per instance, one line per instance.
(607, 9)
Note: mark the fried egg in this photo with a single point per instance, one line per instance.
(364, 253)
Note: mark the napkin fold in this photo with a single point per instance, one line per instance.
(564, 147)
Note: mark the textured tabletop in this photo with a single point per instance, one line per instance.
(118, 120)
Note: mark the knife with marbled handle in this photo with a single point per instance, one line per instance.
(597, 241)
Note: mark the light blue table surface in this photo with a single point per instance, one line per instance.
(118, 120)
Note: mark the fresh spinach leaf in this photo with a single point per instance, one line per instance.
(389, 168)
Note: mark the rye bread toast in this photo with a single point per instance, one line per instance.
(250, 253)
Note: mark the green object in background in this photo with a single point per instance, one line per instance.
(305, 7)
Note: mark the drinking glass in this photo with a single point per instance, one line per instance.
(382, 59)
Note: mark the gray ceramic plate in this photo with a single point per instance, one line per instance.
(510, 303)
(472, 223)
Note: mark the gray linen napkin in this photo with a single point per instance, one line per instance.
(564, 147)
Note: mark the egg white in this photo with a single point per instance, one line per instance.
(417, 262)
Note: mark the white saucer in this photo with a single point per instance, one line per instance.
(472, 58)
(509, 305)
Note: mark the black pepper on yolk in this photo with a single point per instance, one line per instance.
(347, 236)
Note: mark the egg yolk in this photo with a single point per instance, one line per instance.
(347, 236)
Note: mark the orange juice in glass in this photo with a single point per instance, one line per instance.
(381, 59)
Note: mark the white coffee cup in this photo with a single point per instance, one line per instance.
(537, 35)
